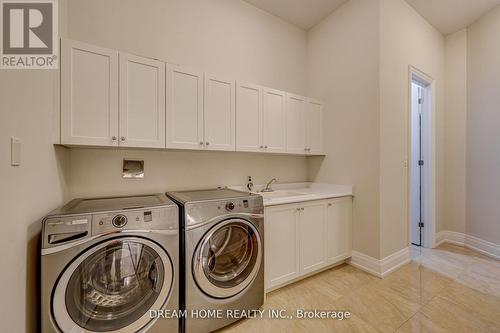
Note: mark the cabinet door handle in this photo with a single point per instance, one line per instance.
(265, 147)
(122, 138)
(207, 143)
(113, 138)
(329, 205)
(201, 143)
(261, 147)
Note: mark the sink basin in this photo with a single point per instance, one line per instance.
(279, 194)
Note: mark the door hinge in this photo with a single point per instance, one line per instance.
(420, 224)
(421, 162)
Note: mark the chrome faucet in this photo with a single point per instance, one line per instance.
(268, 187)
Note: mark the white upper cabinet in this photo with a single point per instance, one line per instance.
(295, 126)
(274, 121)
(184, 116)
(248, 117)
(314, 127)
(89, 94)
(111, 98)
(142, 102)
(220, 114)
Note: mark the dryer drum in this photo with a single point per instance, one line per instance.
(228, 257)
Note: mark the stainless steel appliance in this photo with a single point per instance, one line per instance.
(223, 258)
(107, 262)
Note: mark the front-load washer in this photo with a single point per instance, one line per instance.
(222, 236)
(111, 265)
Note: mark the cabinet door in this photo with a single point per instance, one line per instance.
(248, 117)
(219, 115)
(281, 254)
(142, 102)
(89, 94)
(184, 89)
(314, 127)
(274, 121)
(312, 237)
(295, 127)
(339, 229)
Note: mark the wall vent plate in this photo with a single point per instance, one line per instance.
(133, 169)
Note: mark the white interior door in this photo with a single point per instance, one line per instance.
(184, 108)
(312, 237)
(274, 121)
(415, 169)
(219, 115)
(142, 102)
(314, 127)
(89, 94)
(248, 117)
(295, 127)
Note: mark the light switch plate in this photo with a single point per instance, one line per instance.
(15, 151)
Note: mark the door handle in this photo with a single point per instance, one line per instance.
(67, 236)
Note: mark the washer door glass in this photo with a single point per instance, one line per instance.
(117, 284)
(228, 258)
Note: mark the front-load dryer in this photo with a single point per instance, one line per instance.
(111, 265)
(222, 232)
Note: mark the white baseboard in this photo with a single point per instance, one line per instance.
(380, 267)
(472, 242)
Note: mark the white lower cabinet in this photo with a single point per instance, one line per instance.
(312, 230)
(281, 251)
(303, 238)
(338, 222)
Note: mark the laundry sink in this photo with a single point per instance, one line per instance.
(279, 194)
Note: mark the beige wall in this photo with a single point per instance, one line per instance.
(96, 172)
(226, 37)
(455, 130)
(27, 192)
(405, 39)
(28, 111)
(342, 68)
(358, 61)
(483, 128)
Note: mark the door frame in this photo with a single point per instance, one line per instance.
(429, 157)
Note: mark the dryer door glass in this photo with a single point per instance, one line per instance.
(116, 285)
(228, 258)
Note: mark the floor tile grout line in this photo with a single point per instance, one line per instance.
(406, 321)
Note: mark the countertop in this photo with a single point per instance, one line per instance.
(299, 192)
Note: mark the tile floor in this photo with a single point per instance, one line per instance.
(447, 289)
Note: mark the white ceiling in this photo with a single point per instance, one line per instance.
(449, 16)
(302, 13)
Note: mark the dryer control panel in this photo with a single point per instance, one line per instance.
(200, 212)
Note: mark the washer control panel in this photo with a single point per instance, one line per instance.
(229, 206)
(119, 221)
(140, 219)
